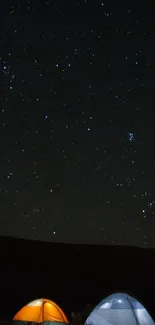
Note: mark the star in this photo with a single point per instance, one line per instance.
(77, 151)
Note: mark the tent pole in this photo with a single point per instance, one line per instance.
(137, 321)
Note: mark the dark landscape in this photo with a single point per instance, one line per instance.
(75, 276)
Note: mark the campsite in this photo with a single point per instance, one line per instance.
(76, 278)
(77, 162)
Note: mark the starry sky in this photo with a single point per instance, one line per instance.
(77, 137)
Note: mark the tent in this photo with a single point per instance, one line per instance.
(119, 309)
(41, 311)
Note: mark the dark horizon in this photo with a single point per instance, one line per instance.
(73, 276)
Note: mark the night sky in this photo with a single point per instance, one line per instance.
(77, 135)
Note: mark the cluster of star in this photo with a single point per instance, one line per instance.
(78, 143)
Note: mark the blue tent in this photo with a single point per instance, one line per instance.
(119, 309)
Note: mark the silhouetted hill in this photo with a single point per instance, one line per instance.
(72, 275)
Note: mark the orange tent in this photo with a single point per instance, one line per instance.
(39, 311)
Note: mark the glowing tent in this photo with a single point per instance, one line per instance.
(119, 309)
(41, 311)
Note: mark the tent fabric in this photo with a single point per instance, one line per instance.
(39, 311)
(18, 322)
(119, 309)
